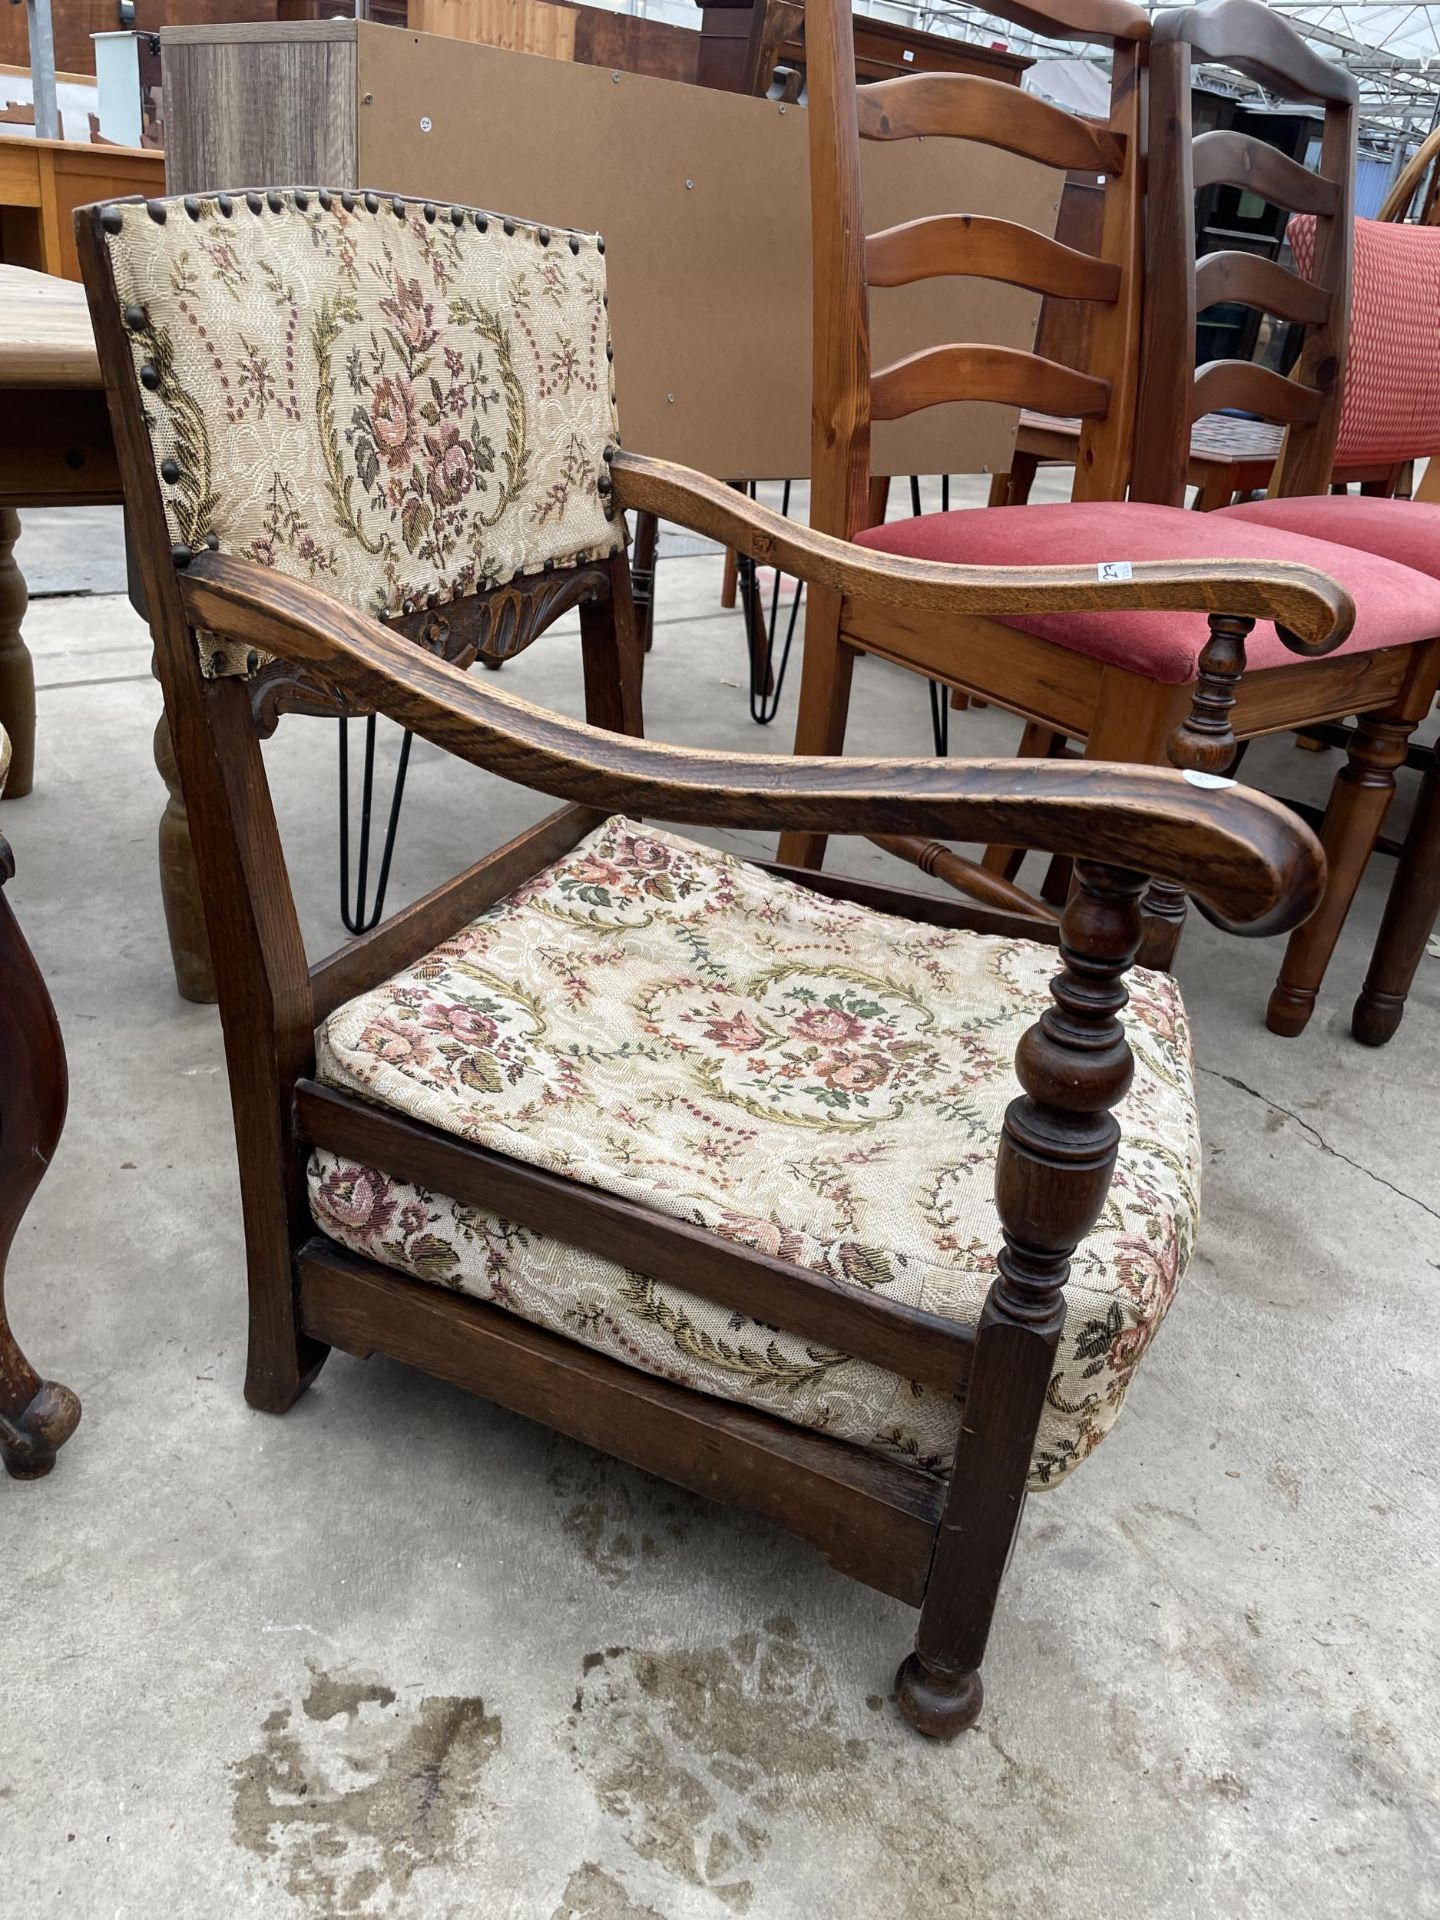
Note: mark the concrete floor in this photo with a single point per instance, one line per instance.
(402, 1653)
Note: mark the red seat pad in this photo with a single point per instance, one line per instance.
(1406, 531)
(1394, 606)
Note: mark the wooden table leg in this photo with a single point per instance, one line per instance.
(180, 882)
(17, 671)
(37, 1416)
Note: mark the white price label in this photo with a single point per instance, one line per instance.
(1113, 570)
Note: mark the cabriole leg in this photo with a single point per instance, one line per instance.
(37, 1416)
(1057, 1155)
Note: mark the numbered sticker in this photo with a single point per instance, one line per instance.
(1113, 570)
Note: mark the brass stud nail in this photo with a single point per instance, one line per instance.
(302, 199)
(482, 225)
(182, 556)
(543, 236)
(149, 376)
(192, 206)
(430, 213)
(212, 541)
(609, 351)
(169, 471)
(225, 204)
(372, 203)
(604, 484)
(135, 318)
(607, 454)
(574, 243)
(254, 202)
(347, 201)
(457, 216)
(252, 661)
(275, 201)
(156, 211)
(397, 207)
(112, 220)
(326, 198)
(509, 226)
(599, 243)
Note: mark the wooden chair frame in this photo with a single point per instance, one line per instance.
(37, 1416)
(1062, 695)
(942, 1546)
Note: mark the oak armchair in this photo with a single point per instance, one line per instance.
(718, 1168)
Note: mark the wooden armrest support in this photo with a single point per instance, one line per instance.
(1246, 856)
(1313, 612)
(1099, 20)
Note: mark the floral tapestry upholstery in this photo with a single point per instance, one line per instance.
(798, 1075)
(400, 402)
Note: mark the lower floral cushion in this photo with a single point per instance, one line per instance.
(806, 1077)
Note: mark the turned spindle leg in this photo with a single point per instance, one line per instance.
(1410, 919)
(37, 1416)
(17, 670)
(1359, 802)
(1057, 1155)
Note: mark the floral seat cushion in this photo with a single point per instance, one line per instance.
(803, 1076)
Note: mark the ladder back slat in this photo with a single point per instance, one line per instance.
(963, 106)
(1226, 158)
(1260, 283)
(983, 248)
(1007, 376)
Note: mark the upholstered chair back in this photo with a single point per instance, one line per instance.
(403, 403)
(1391, 405)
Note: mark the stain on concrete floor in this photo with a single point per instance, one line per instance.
(347, 1803)
(593, 1894)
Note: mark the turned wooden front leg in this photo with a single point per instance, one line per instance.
(17, 670)
(180, 882)
(1410, 918)
(1057, 1156)
(37, 1416)
(1359, 801)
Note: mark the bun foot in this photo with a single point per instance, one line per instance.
(939, 1705)
(29, 1444)
(1289, 1011)
(1376, 1017)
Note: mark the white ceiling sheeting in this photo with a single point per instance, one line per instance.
(1393, 50)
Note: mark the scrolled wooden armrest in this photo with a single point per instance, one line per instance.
(1245, 856)
(1313, 612)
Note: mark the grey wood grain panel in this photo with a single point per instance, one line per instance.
(259, 107)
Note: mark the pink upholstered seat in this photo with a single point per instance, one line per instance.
(1405, 531)
(1395, 606)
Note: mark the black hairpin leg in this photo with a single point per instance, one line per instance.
(642, 577)
(767, 678)
(940, 717)
(367, 914)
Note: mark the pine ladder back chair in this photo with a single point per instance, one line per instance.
(848, 393)
(1146, 686)
(557, 1132)
(1364, 383)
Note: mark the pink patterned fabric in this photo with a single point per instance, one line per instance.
(1391, 408)
(1394, 606)
(1406, 531)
